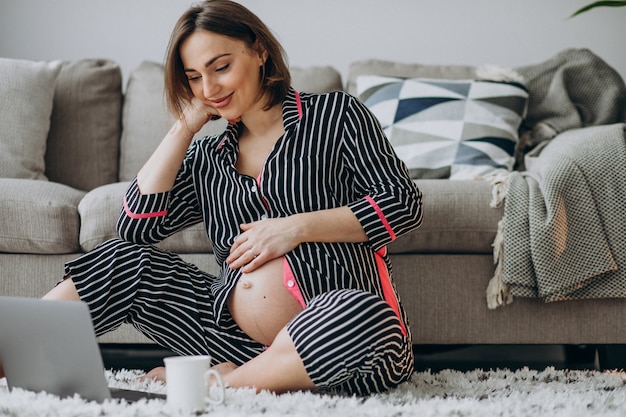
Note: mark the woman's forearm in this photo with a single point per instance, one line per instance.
(159, 172)
(332, 225)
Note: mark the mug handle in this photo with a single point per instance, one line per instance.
(208, 375)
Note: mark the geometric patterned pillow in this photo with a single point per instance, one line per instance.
(448, 128)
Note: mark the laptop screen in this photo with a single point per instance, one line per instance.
(51, 346)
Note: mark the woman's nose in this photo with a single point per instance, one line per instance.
(209, 89)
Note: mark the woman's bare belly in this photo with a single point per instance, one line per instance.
(260, 303)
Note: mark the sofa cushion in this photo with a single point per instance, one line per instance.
(457, 219)
(315, 79)
(146, 119)
(99, 211)
(38, 217)
(83, 142)
(26, 94)
(457, 129)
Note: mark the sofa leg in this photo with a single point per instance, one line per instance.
(612, 357)
(580, 356)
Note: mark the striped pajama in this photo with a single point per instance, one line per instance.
(353, 334)
(350, 341)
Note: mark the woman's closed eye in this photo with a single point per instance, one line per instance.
(222, 68)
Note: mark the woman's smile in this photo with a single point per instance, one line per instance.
(221, 102)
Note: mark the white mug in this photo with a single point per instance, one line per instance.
(189, 382)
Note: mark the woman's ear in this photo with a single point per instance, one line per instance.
(261, 51)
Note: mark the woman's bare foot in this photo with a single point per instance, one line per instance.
(224, 368)
(156, 374)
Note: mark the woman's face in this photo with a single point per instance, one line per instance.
(223, 72)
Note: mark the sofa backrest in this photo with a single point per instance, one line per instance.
(146, 120)
(406, 70)
(98, 135)
(85, 124)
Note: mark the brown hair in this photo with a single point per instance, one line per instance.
(230, 19)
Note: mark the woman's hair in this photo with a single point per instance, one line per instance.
(230, 19)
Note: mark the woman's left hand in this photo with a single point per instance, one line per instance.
(262, 241)
(156, 374)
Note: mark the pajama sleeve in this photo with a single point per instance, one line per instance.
(150, 218)
(391, 204)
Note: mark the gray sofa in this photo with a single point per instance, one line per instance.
(100, 134)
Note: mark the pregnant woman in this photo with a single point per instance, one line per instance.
(299, 196)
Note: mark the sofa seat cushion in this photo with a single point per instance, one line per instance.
(38, 217)
(457, 219)
(99, 211)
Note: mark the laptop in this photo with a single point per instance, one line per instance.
(51, 346)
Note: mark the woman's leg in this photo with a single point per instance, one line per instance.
(347, 340)
(165, 298)
(351, 341)
(278, 369)
(65, 290)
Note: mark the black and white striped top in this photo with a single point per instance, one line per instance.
(333, 154)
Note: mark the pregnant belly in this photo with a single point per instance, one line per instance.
(260, 303)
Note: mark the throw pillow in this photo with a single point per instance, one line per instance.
(26, 94)
(456, 129)
(83, 142)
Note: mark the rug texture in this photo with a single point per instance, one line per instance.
(447, 393)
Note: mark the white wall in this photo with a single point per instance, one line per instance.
(325, 32)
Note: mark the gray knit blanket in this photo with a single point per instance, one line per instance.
(563, 234)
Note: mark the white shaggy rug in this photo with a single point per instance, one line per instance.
(447, 393)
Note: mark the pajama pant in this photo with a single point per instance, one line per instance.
(350, 341)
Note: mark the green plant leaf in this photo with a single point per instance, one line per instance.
(616, 3)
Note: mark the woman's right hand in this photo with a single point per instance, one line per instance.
(159, 172)
(196, 114)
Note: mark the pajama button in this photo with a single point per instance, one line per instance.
(290, 283)
(253, 188)
(263, 217)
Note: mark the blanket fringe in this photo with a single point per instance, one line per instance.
(499, 186)
(498, 293)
